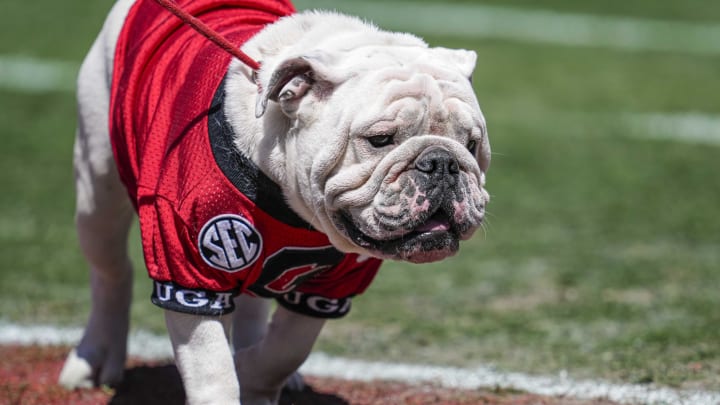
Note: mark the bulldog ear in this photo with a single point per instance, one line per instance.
(464, 60)
(289, 83)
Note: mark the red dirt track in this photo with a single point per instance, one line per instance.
(28, 377)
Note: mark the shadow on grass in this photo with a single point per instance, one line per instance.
(162, 385)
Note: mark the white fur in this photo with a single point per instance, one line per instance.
(225, 358)
(362, 63)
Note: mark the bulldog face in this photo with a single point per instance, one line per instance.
(387, 148)
(410, 185)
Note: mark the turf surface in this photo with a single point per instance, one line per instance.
(601, 252)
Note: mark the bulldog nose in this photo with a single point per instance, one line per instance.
(437, 161)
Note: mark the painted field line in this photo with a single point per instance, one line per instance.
(141, 344)
(153, 347)
(32, 75)
(682, 127)
(688, 127)
(35, 75)
(470, 21)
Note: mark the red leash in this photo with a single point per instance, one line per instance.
(209, 33)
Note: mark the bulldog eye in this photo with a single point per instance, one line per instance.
(378, 141)
(471, 146)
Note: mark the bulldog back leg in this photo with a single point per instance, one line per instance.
(103, 218)
(201, 348)
(265, 367)
(250, 326)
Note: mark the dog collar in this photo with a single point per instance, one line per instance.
(242, 172)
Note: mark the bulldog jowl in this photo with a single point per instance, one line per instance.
(422, 216)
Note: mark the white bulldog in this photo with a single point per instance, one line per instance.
(374, 140)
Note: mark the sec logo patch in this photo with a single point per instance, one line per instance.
(229, 243)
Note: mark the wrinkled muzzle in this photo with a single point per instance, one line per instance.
(423, 213)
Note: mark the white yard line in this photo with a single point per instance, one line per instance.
(532, 25)
(35, 75)
(681, 127)
(153, 347)
(141, 344)
(32, 75)
(485, 377)
(457, 20)
(688, 128)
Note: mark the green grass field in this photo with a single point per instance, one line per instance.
(601, 255)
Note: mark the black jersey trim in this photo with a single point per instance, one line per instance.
(245, 175)
(170, 296)
(315, 306)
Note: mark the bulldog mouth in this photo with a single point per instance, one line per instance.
(436, 223)
(432, 240)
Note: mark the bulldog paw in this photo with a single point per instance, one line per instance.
(76, 373)
(87, 371)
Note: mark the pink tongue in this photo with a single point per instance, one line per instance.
(433, 225)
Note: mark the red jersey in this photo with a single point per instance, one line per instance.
(212, 224)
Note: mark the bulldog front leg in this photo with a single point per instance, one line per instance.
(103, 216)
(264, 368)
(204, 358)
